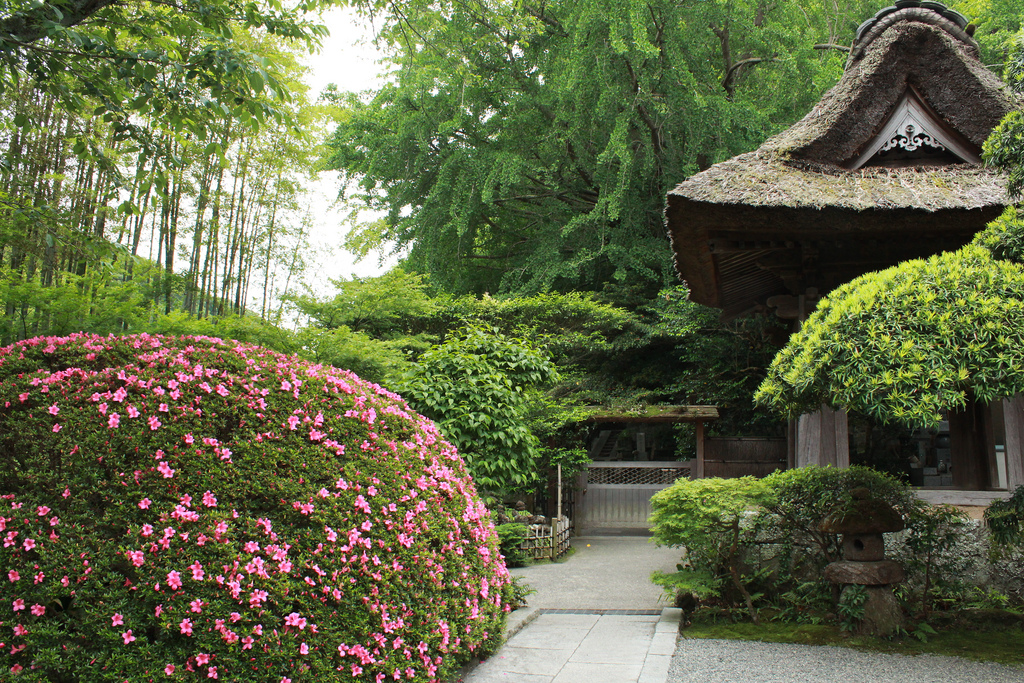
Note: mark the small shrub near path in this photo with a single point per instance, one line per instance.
(194, 509)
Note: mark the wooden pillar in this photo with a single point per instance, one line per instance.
(698, 466)
(823, 438)
(1013, 421)
(972, 446)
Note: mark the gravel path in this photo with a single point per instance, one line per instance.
(727, 661)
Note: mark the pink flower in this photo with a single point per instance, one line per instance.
(186, 627)
(42, 510)
(211, 672)
(29, 544)
(147, 530)
(128, 637)
(189, 439)
(202, 658)
(145, 503)
(303, 649)
(197, 571)
(13, 576)
(20, 630)
(294, 619)
(154, 423)
(137, 557)
(165, 470)
(117, 619)
(56, 428)
(19, 604)
(209, 500)
(293, 422)
(169, 669)
(38, 610)
(196, 606)
(235, 616)
(54, 409)
(133, 412)
(174, 580)
(247, 643)
(113, 421)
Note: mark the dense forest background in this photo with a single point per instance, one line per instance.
(156, 166)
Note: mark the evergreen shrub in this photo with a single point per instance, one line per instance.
(194, 509)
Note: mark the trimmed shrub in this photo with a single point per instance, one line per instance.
(189, 508)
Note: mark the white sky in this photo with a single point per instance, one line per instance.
(347, 59)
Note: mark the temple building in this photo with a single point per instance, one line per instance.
(886, 168)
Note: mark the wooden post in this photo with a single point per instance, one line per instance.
(698, 471)
(972, 446)
(1013, 421)
(554, 540)
(559, 515)
(823, 438)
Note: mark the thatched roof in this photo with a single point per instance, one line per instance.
(764, 178)
(725, 221)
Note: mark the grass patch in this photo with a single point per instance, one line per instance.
(982, 635)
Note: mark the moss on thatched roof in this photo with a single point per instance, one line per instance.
(736, 226)
(947, 73)
(942, 68)
(770, 179)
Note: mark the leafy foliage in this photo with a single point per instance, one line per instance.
(759, 542)
(805, 496)
(529, 146)
(148, 68)
(1005, 518)
(191, 508)
(905, 343)
(705, 516)
(375, 305)
(477, 386)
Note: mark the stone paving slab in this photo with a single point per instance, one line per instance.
(604, 646)
(595, 618)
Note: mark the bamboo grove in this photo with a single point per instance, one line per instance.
(100, 232)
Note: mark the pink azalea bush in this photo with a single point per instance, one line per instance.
(194, 509)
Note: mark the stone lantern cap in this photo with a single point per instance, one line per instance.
(864, 515)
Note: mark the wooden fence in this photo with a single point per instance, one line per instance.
(728, 457)
(547, 541)
(617, 495)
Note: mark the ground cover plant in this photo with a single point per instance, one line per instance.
(762, 554)
(194, 509)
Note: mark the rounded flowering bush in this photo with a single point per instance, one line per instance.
(194, 509)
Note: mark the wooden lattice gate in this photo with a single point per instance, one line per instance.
(617, 495)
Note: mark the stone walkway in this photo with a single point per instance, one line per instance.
(595, 618)
(588, 646)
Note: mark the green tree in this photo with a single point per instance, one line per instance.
(378, 306)
(479, 386)
(527, 146)
(706, 516)
(905, 343)
(148, 67)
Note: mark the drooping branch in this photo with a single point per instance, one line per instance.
(832, 46)
(729, 82)
(31, 25)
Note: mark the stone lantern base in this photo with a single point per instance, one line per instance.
(882, 613)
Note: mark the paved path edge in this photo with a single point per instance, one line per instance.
(659, 652)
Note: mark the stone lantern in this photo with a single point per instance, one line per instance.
(862, 524)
